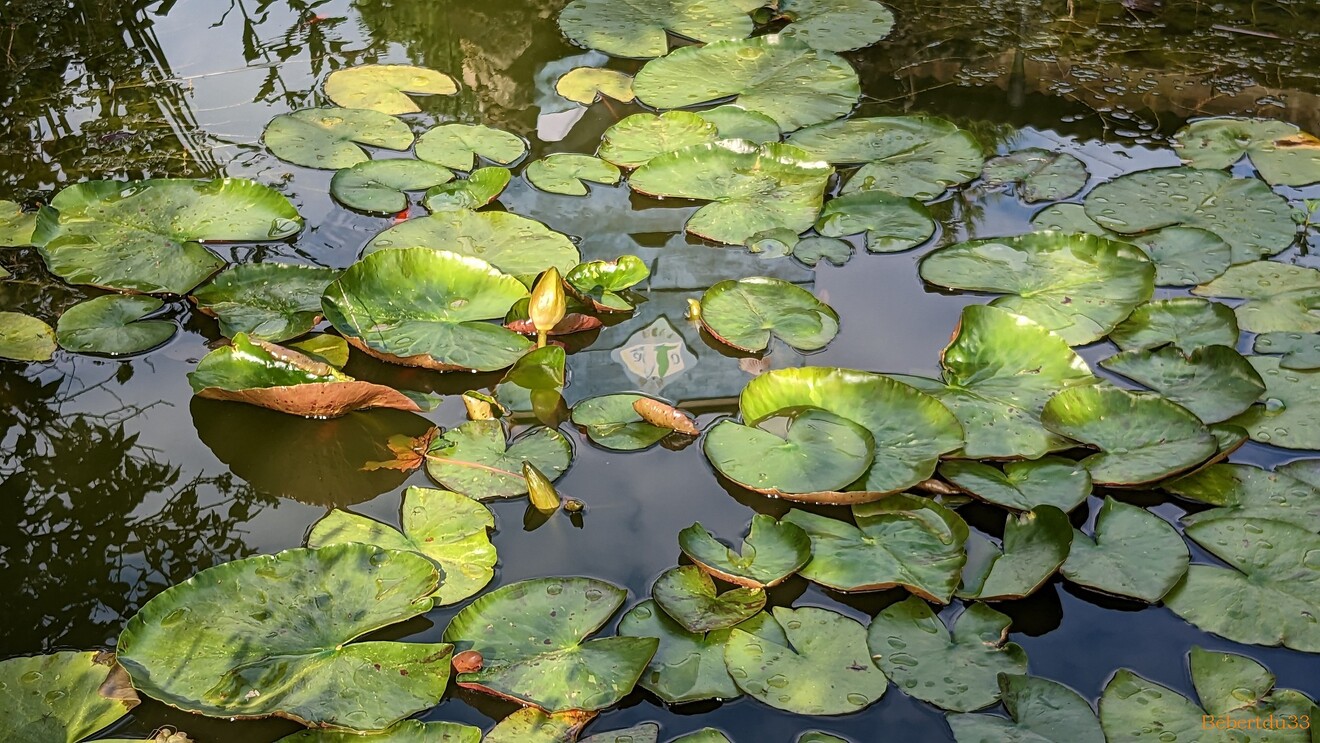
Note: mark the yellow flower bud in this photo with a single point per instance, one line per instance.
(548, 305)
(542, 493)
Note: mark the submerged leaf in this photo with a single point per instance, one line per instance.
(16, 225)
(331, 138)
(113, 325)
(270, 301)
(813, 250)
(531, 725)
(408, 731)
(386, 87)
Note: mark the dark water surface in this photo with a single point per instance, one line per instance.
(115, 484)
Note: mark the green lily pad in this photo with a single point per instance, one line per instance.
(16, 225)
(754, 188)
(910, 429)
(903, 540)
(1281, 153)
(475, 460)
(146, 236)
(813, 250)
(646, 732)
(1079, 286)
(567, 173)
(1134, 553)
(1250, 217)
(1289, 413)
(1281, 297)
(1021, 486)
(1247, 491)
(772, 551)
(458, 146)
(1040, 175)
(704, 735)
(540, 369)
(892, 223)
(532, 637)
(780, 77)
(815, 736)
(450, 529)
(386, 87)
(270, 301)
(1300, 350)
(836, 25)
(587, 84)
(408, 731)
(332, 138)
(688, 595)
(1142, 438)
(254, 648)
(25, 338)
(110, 325)
(531, 725)
(1035, 545)
(423, 307)
(1187, 323)
(481, 187)
(600, 282)
(1271, 593)
(1227, 682)
(956, 671)
(379, 186)
(803, 454)
(513, 244)
(1042, 711)
(635, 140)
(747, 312)
(824, 668)
(640, 29)
(916, 156)
(736, 122)
(1215, 382)
(62, 697)
(612, 422)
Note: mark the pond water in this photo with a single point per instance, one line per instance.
(117, 483)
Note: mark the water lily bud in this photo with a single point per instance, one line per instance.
(543, 494)
(477, 408)
(548, 305)
(694, 309)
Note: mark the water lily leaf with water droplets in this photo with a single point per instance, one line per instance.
(531, 725)
(736, 122)
(1281, 297)
(1289, 413)
(778, 76)
(408, 731)
(892, 223)
(1215, 382)
(113, 325)
(600, 282)
(612, 422)
(16, 225)
(270, 301)
(586, 84)
(628, 28)
(1187, 323)
(515, 245)
(458, 146)
(1300, 350)
(836, 25)
(1248, 491)
(1035, 545)
(1040, 175)
(25, 338)
(1250, 217)
(481, 187)
(747, 312)
(272, 635)
(450, 529)
(772, 551)
(1134, 554)
(1079, 286)
(956, 671)
(567, 173)
(903, 540)
(803, 454)
(1021, 486)
(379, 186)
(1042, 711)
(688, 595)
(1281, 153)
(332, 138)
(386, 87)
(146, 236)
(646, 732)
(64, 696)
(1142, 437)
(813, 250)
(475, 460)
(824, 668)
(637, 139)
(532, 637)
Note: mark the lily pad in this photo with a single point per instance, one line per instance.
(386, 87)
(332, 138)
(1040, 175)
(1289, 412)
(1042, 711)
(1079, 286)
(270, 301)
(408, 731)
(1021, 486)
(903, 540)
(910, 429)
(892, 223)
(146, 236)
(754, 188)
(635, 140)
(1187, 323)
(747, 312)
(813, 250)
(836, 25)
(113, 325)
(1283, 154)
(1142, 437)
(567, 173)
(736, 122)
(379, 186)
(1281, 297)
(772, 551)
(1247, 491)
(646, 732)
(915, 156)
(600, 282)
(458, 146)
(25, 338)
(540, 369)
(688, 595)
(1215, 382)
(532, 637)
(16, 225)
(1300, 350)
(531, 725)
(780, 77)
(628, 28)
(1250, 217)
(475, 460)
(63, 697)
(1134, 553)
(255, 649)
(515, 245)
(1035, 545)
(423, 307)
(587, 84)
(802, 454)
(824, 668)
(481, 187)
(612, 422)
(956, 671)
(450, 529)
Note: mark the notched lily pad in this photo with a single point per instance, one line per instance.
(64, 696)
(408, 731)
(892, 223)
(640, 29)
(386, 87)
(515, 245)
(635, 140)
(1281, 297)
(836, 25)
(1187, 323)
(380, 186)
(458, 146)
(1042, 711)
(772, 552)
(736, 122)
(568, 173)
(813, 250)
(1215, 382)
(586, 85)
(1281, 153)
(113, 325)
(688, 595)
(1040, 175)
(474, 459)
(747, 312)
(1288, 414)
(806, 454)
(612, 421)
(1285, 494)
(16, 225)
(481, 187)
(332, 138)
(1134, 554)
(25, 338)
(602, 283)
(1300, 350)
(270, 301)
(1035, 545)
(1021, 486)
